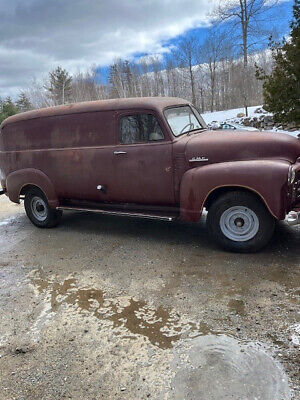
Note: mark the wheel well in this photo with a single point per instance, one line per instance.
(26, 188)
(222, 190)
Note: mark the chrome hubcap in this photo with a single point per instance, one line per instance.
(239, 224)
(38, 208)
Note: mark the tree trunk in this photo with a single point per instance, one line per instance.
(246, 80)
(192, 82)
(212, 69)
(244, 22)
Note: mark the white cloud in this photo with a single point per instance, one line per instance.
(37, 35)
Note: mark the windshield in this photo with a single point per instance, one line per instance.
(184, 119)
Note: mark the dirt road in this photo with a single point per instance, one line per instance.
(115, 308)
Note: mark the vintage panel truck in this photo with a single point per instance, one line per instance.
(150, 158)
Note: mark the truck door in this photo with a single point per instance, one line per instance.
(142, 160)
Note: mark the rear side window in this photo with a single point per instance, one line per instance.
(140, 128)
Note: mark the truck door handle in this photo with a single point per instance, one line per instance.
(118, 153)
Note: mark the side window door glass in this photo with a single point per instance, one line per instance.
(140, 128)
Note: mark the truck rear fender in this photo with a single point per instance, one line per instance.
(266, 178)
(17, 182)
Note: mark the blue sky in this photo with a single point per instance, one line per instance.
(36, 37)
(282, 10)
(277, 20)
(283, 13)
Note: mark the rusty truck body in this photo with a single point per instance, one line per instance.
(151, 158)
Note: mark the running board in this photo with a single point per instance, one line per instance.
(119, 213)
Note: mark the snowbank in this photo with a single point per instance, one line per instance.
(221, 116)
(231, 115)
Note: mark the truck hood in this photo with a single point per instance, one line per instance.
(222, 146)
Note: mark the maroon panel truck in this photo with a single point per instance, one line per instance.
(151, 158)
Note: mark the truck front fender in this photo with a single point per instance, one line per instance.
(266, 178)
(17, 180)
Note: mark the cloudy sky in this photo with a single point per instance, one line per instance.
(37, 35)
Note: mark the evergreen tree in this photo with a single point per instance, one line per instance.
(23, 103)
(282, 86)
(7, 109)
(59, 87)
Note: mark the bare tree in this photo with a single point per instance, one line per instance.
(87, 86)
(171, 77)
(144, 73)
(187, 55)
(38, 95)
(157, 68)
(215, 48)
(248, 15)
(122, 79)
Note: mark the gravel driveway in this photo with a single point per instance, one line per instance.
(116, 308)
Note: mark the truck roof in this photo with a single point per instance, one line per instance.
(153, 103)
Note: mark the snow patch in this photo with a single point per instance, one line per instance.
(7, 221)
(229, 114)
(41, 321)
(296, 334)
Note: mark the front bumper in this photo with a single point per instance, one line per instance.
(293, 218)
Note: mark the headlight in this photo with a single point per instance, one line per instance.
(292, 175)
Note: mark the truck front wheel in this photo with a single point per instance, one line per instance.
(39, 211)
(239, 221)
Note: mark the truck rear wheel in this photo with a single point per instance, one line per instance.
(240, 222)
(39, 211)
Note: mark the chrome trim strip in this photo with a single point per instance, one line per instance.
(119, 213)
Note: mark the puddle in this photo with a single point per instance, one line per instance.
(161, 327)
(219, 367)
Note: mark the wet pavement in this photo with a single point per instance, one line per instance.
(115, 308)
(220, 367)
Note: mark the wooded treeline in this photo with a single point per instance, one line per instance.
(217, 84)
